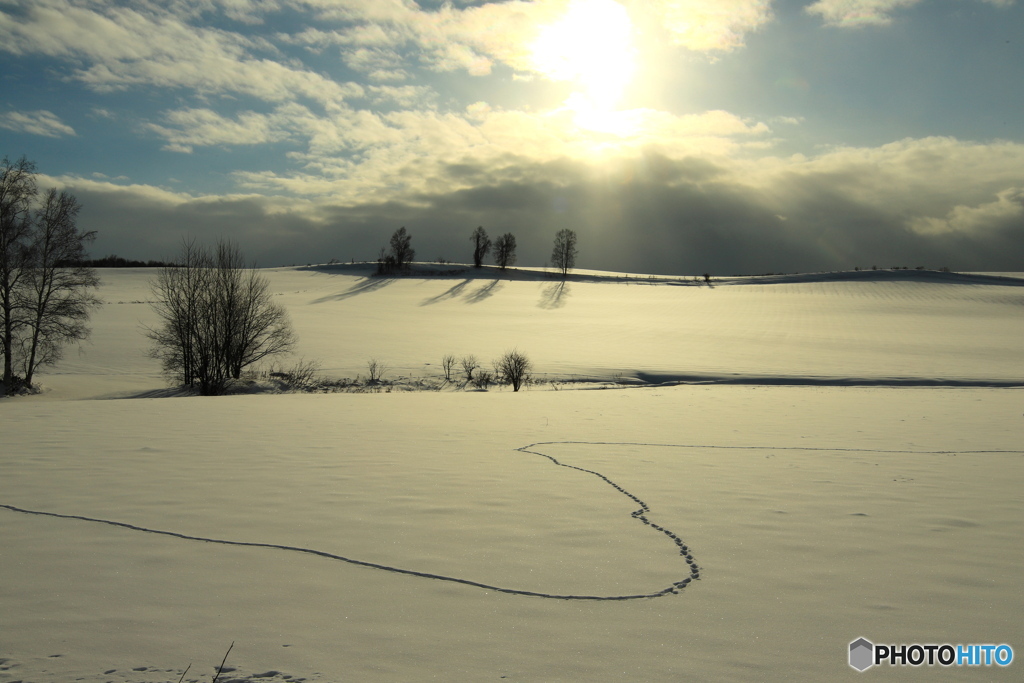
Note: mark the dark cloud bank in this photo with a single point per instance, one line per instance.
(665, 217)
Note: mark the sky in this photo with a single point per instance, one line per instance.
(674, 137)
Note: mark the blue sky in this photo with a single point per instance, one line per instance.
(730, 136)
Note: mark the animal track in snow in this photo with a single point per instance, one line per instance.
(642, 515)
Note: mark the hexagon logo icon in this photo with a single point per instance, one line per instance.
(862, 654)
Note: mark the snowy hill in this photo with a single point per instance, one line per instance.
(868, 327)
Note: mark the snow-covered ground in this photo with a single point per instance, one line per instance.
(814, 459)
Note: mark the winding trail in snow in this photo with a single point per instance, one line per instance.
(642, 515)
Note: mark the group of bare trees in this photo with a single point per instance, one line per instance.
(513, 368)
(505, 251)
(401, 253)
(44, 302)
(563, 257)
(504, 248)
(217, 317)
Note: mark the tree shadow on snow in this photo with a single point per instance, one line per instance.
(472, 297)
(450, 293)
(168, 392)
(485, 292)
(370, 283)
(554, 295)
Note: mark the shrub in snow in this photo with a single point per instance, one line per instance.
(513, 368)
(483, 380)
(376, 370)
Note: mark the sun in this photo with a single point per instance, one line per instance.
(592, 46)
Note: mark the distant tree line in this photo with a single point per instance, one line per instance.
(111, 261)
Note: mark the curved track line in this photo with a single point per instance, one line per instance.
(640, 515)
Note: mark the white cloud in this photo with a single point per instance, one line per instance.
(248, 11)
(125, 47)
(446, 40)
(165, 45)
(854, 13)
(475, 38)
(380, 64)
(858, 12)
(204, 127)
(928, 186)
(39, 122)
(707, 25)
(134, 193)
(1008, 206)
(410, 96)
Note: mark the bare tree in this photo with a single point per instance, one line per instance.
(469, 364)
(45, 299)
(401, 249)
(563, 256)
(58, 294)
(17, 192)
(447, 365)
(513, 368)
(217, 318)
(376, 369)
(505, 250)
(179, 290)
(481, 246)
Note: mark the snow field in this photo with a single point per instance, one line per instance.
(816, 514)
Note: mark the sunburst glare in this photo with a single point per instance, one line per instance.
(592, 46)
